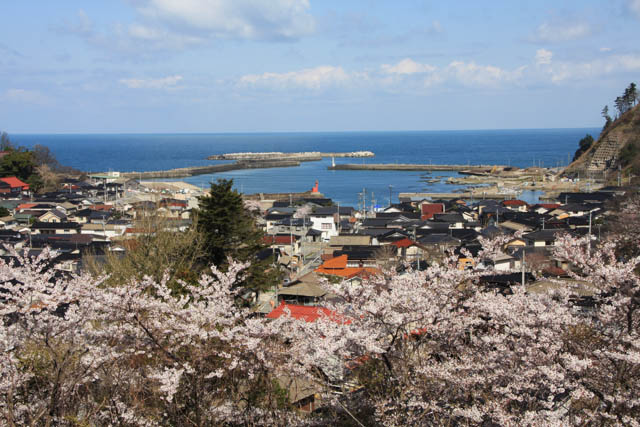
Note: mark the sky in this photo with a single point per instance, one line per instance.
(158, 66)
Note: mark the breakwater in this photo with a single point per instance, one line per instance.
(203, 170)
(415, 167)
(294, 196)
(467, 195)
(307, 156)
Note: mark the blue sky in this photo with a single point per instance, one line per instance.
(75, 66)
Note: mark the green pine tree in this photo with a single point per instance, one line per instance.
(230, 231)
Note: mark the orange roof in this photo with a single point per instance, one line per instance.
(25, 206)
(337, 262)
(349, 272)
(338, 267)
(15, 182)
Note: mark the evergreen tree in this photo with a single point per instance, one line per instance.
(229, 231)
(5, 142)
(619, 103)
(585, 144)
(606, 116)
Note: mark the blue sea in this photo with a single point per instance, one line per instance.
(146, 152)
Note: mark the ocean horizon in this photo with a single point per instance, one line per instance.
(128, 152)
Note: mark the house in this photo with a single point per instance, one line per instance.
(302, 312)
(515, 205)
(302, 393)
(542, 237)
(288, 243)
(503, 282)
(503, 262)
(349, 240)
(514, 225)
(408, 249)
(290, 225)
(53, 215)
(305, 290)
(542, 208)
(325, 222)
(337, 266)
(24, 217)
(13, 185)
(55, 228)
(455, 220)
(8, 221)
(106, 230)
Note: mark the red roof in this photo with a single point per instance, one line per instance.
(303, 312)
(549, 205)
(403, 243)
(428, 209)
(101, 207)
(133, 230)
(279, 240)
(514, 202)
(15, 182)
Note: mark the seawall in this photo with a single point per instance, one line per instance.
(202, 170)
(307, 156)
(414, 167)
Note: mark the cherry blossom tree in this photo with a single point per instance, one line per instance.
(76, 351)
(421, 348)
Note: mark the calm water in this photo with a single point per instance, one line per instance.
(144, 152)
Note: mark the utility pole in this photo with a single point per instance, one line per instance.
(589, 244)
(373, 203)
(417, 248)
(523, 255)
(390, 193)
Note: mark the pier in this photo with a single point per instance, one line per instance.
(203, 170)
(478, 169)
(476, 195)
(307, 156)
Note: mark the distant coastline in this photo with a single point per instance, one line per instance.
(162, 152)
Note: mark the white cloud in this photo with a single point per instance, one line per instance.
(311, 78)
(565, 71)
(472, 74)
(605, 49)
(160, 83)
(408, 66)
(543, 57)
(241, 19)
(557, 32)
(25, 96)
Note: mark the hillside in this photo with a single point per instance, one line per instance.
(618, 147)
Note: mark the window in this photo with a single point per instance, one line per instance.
(326, 226)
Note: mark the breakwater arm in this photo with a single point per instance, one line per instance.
(277, 155)
(414, 167)
(203, 170)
